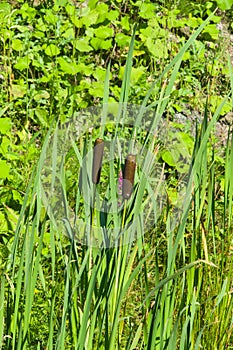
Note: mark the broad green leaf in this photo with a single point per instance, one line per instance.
(99, 74)
(42, 94)
(97, 89)
(27, 11)
(89, 32)
(112, 15)
(122, 40)
(17, 45)
(194, 22)
(100, 44)
(92, 4)
(68, 67)
(86, 69)
(82, 45)
(136, 74)
(125, 23)
(52, 50)
(41, 26)
(157, 48)
(5, 143)
(185, 139)
(173, 196)
(102, 10)
(225, 4)
(22, 63)
(103, 32)
(149, 32)
(10, 213)
(50, 17)
(7, 34)
(70, 9)
(22, 29)
(77, 22)
(137, 53)
(42, 116)
(5, 125)
(168, 158)
(18, 90)
(69, 33)
(215, 102)
(147, 11)
(212, 30)
(90, 18)
(5, 10)
(4, 169)
(60, 2)
(46, 78)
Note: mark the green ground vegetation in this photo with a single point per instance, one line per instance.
(171, 287)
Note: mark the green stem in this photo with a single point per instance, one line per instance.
(124, 215)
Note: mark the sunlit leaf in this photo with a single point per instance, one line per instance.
(18, 90)
(4, 169)
(82, 45)
(52, 50)
(17, 45)
(22, 63)
(225, 4)
(68, 67)
(5, 125)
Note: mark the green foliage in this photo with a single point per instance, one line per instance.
(172, 290)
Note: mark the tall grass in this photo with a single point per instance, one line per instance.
(169, 288)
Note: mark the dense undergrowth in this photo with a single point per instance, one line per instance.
(170, 287)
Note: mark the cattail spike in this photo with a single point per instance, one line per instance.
(97, 160)
(128, 177)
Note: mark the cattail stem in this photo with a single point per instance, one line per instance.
(128, 177)
(93, 206)
(124, 215)
(96, 170)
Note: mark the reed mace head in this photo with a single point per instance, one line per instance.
(128, 176)
(97, 160)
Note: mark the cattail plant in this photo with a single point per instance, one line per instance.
(120, 186)
(97, 160)
(128, 177)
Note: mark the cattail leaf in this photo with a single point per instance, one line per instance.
(97, 160)
(128, 178)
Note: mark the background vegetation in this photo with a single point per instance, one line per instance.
(172, 290)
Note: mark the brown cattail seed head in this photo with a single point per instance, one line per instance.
(97, 160)
(128, 177)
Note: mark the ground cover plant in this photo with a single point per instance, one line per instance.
(170, 286)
